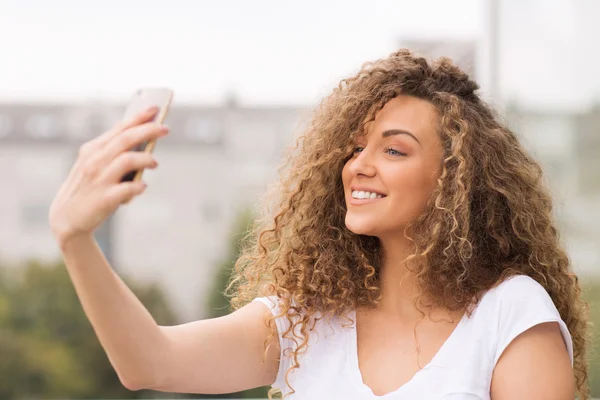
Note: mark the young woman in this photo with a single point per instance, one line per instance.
(410, 253)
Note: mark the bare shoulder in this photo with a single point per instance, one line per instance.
(534, 349)
(536, 365)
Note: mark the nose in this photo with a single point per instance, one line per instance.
(363, 164)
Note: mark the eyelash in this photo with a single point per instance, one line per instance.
(385, 150)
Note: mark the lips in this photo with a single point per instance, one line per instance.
(366, 189)
(366, 195)
(369, 200)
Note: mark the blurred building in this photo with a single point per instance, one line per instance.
(215, 162)
(567, 144)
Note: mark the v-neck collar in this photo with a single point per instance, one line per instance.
(354, 368)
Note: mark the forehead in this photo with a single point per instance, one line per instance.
(408, 113)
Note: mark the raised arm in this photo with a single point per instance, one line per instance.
(212, 356)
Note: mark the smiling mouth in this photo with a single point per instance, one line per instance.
(362, 195)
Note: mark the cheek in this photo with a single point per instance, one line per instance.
(413, 185)
(345, 175)
(427, 184)
(406, 179)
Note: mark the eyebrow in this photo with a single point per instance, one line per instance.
(391, 132)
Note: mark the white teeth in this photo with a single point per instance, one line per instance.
(365, 195)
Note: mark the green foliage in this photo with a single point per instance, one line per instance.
(218, 304)
(48, 347)
(592, 295)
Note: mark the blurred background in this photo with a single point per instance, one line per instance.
(245, 75)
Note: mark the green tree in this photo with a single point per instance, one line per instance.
(218, 304)
(48, 347)
(591, 291)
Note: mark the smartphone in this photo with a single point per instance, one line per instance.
(141, 100)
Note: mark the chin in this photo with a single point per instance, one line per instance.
(361, 227)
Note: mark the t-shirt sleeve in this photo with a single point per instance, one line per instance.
(272, 302)
(523, 304)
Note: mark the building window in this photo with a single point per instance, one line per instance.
(5, 125)
(42, 126)
(204, 129)
(79, 124)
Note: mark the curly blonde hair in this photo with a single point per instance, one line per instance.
(490, 216)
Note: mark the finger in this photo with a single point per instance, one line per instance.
(124, 192)
(125, 163)
(142, 117)
(132, 137)
(138, 119)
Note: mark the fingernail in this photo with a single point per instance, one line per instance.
(164, 129)
(152, 109)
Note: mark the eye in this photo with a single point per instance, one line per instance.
(357, 149)
(394, 152)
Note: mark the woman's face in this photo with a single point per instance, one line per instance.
(396, 164)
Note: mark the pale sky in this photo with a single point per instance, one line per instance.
(279, 52)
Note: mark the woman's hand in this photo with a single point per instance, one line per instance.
(93, 189)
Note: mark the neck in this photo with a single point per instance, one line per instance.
(399, 287)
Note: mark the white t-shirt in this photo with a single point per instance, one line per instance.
(461, 369)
